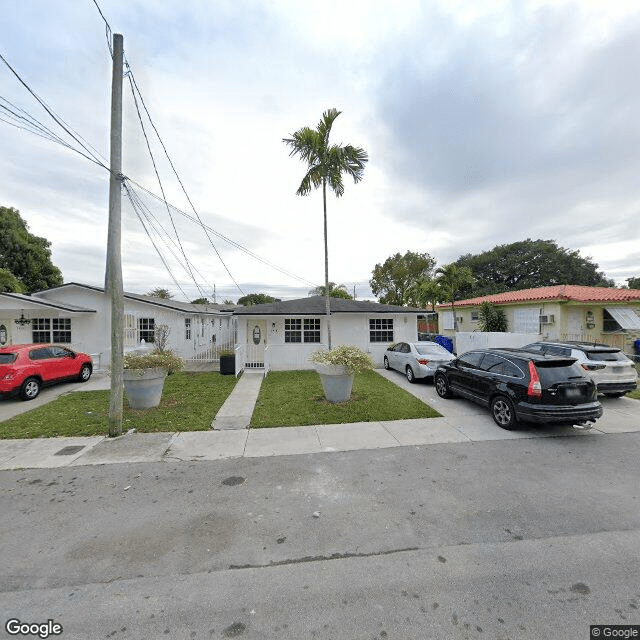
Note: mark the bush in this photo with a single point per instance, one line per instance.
(158, 359)
(492, 318)
(354, 358)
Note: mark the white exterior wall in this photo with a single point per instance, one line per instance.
(466, 341)
(346, 329)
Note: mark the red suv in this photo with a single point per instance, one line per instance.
(26, 368)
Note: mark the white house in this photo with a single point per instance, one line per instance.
(79, 315)
(282, 335)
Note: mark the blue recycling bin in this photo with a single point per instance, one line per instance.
(445, 342)
(637, 343)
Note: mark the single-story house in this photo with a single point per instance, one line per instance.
(561, 312)
(79, 315)
(283, 335)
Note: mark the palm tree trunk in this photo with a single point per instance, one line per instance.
(327, 305)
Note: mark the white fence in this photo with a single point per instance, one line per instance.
(467, 340)
(283, 357)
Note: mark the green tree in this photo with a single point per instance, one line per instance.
(201, 301)
(335, 291)
(325, 165)
(256, 298)
(424, 293)
(492, 318)
(452, 279)
(528, 264)
(159, 292)
(9, 283)
(24, 255)
(391, 281)
(633, 283)
(228, 301)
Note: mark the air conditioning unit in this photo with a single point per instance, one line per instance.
(548, 319)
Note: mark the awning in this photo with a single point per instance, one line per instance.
(627, 318)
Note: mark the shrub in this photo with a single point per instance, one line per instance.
(492, 318)
(158, 359)
(354, 358)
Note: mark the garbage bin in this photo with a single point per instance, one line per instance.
(445, 342)
(637, 344)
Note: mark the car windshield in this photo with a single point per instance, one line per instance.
(7, 358)
(606, 356)
(431, 350)
(552, 371)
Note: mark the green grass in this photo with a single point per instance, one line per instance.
(189, 402)
(295, 398)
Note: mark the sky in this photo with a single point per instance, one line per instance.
(486, 122)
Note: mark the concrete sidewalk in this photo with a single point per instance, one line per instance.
(237, 409)
(462, 421)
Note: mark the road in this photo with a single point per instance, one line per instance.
(507, 539)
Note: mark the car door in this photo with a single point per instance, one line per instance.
(64, 365)
(43, 363)
(403, 355)
(463, 374)
(393, 355)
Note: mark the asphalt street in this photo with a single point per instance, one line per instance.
(505, 539)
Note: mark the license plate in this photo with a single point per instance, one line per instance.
(618, 369)
(573, 393)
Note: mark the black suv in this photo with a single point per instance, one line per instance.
(520, 386)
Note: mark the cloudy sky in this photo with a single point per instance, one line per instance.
(486, 122)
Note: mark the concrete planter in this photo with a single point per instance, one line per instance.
(336, 382)
(143, 387)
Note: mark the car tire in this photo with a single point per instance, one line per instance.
(411, 377)
(442, 386)
(30, 388)
(503, 413)
(386, 363)
(85, 373)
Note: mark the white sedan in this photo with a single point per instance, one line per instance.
(416, 359)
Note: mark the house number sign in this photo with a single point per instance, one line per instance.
(257, 334)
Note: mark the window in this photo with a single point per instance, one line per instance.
(474, 316)
(40, 354)
(381, 330)
(471, 359)
(293, 330)
(187, 328)
(51, 330)
(129, 330)
(312, 330)
(299, 330)
(447, 320)
(526, 321)
(146, 329)
(609, 323)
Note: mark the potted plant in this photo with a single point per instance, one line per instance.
(144, 375)
(227, 362)
(337, 368)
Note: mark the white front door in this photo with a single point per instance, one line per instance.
(256, 342)
(574, 325)
(5, 331)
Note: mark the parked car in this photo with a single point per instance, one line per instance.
(520, 386)
(613, 373)
(26, 368)
(416, 359)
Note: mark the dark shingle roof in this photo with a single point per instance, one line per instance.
(315, 306)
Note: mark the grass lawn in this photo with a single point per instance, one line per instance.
(295, 398)
(189, 402)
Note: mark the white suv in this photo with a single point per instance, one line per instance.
(613, 373)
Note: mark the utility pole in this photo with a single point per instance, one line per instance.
(113, 277)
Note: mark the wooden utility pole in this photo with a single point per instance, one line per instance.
(113, 277)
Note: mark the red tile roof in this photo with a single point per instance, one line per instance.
(563, 292)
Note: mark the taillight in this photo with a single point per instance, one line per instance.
(593, 367)
(423, 361)
(535, 388)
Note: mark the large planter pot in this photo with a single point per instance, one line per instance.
(143, 387)
(228, 365)
(336, 382)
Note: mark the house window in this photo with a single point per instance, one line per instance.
(312, 330)
(129, 330)
(381, 330)
(293, 330)
(609, 323)
(146, 329)
(51, 330)
(474, 316)
(187, 328)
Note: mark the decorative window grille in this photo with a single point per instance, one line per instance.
(187, 328)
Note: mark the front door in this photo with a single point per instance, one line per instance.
(256, 342)
(574, 325)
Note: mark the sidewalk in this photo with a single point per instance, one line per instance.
(461, 422)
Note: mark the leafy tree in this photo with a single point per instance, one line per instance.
(326, 164)
(492, 318)
(24, 255)
(256, 298)
(335, 291)
(423, 293)
(452, 279)
(228, 301)
(159, 292)
(391, 281)
(528, 264)
(201, 301)
(633, 283)
(9, 283)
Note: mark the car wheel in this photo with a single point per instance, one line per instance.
(30, 389)
(503, 412)
(410, 375)
(442, 386)
(386, 363)
(85, 373)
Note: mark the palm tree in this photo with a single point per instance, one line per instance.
(452, 278)
(424, 292)
(326, 164)
(335, 291)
